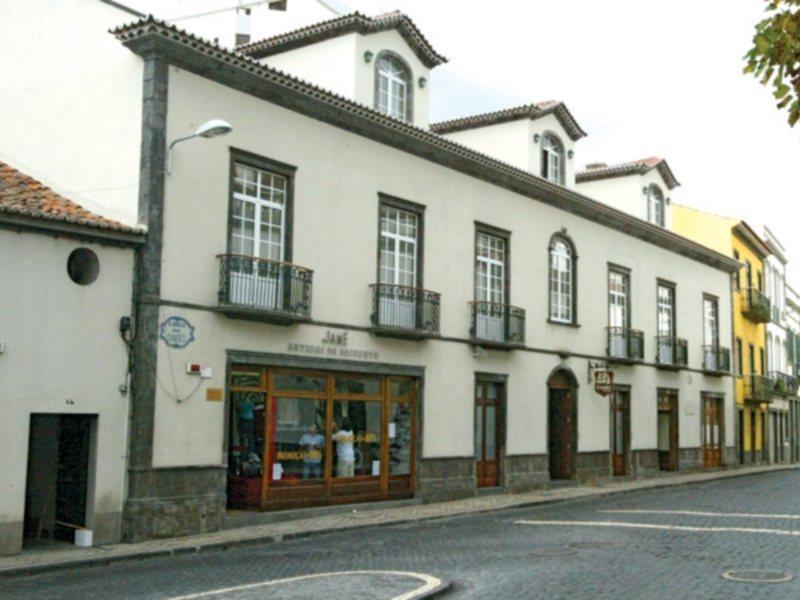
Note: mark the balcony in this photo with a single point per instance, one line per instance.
(625, 344)
(755, 305)
(671, 352)
(758, 388)
(716, 360)
(497, 326)
(264, 290)
(404, 312)
(785, 385)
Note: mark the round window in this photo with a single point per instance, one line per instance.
(83, 267)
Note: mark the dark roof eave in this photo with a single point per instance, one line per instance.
(207, 60)
(628, 169)
(20, 222)
(560, 110)
(746, 233)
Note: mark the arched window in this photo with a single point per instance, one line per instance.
(562, 281)
(393, 87)
(656, 207)
(552, 159)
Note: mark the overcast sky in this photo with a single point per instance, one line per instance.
(642, 77)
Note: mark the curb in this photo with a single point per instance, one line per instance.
(78, 563)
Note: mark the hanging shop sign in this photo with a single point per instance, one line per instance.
(604, 382)
(176, 332)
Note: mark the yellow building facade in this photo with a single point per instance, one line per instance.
(751, 312)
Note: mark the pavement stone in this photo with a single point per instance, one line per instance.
(37, 562)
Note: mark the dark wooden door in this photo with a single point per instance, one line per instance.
(620, 431)
(487, 447)
(72, 477)
(712, 431)
(668, 430)
(561, 433)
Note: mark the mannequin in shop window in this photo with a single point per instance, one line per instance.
(345, 453)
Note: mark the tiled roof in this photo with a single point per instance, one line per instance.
(527, 111)
(633, 167)
(352, 23)
(22, 195)
(208, 59)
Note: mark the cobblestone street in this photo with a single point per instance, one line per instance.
(665, 543)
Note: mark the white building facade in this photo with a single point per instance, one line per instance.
(336, 304)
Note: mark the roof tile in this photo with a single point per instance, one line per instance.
(634, 167)
(23, 195)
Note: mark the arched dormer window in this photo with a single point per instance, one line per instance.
(552, 159)
(656, 206)
(563, 298)
(393, 86)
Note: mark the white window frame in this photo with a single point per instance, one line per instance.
(553, 155)
(393, 98)
(261, 205)
(666, 310)
(400, 219)
(562, 290)
(493, 269)
(656, 206)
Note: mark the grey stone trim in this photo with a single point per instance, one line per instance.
(240, 72)
(591, 467)
(352, 23)
(322, 364)
(690, 459)
(525, 472)
(527, 111)
(108, 237)
(107, 528)
(440, 479)
(644, 463)
(147, 280)
(11, 538)
(731, 456)
(155, 518)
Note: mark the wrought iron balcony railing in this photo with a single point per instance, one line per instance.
(405, 311)
(497, 325)
(785, 384)
(264, 290)
(716, 359)
(625, 344)
(755, 305)
(758, 388)
(671, 351)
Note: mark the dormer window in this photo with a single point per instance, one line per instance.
(393, 90)
(656, 207)
(552, 159)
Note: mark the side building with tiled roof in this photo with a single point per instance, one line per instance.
(67, 282)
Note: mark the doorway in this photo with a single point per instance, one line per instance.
(712, 431)
(488, 399)
(620, 431)
(668, 430)
(562, 425)
(59, 450)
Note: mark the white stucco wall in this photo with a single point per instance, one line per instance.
(513, 142)
(63, 354)
(71, 102)
(330, 64)
(626, 193)
(339, 176)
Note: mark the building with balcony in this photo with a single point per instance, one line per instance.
(336, 303)
(752, 309)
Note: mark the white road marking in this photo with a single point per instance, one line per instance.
(699, 513)
(625, 524)
(429, 583)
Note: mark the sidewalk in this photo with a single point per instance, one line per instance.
(37, 562)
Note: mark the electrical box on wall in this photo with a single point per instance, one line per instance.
(198, 369)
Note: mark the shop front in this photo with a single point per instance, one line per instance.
(301, 438)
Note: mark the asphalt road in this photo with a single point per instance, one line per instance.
(671, 543)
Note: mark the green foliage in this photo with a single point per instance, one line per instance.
(774, 58)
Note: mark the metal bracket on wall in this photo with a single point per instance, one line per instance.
(597, 366)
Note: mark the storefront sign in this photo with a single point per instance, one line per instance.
(333, 344)
(177, 332)
(604, 382)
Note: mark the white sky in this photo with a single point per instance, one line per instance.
(642, 77)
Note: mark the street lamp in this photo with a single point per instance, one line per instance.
(209, 129)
